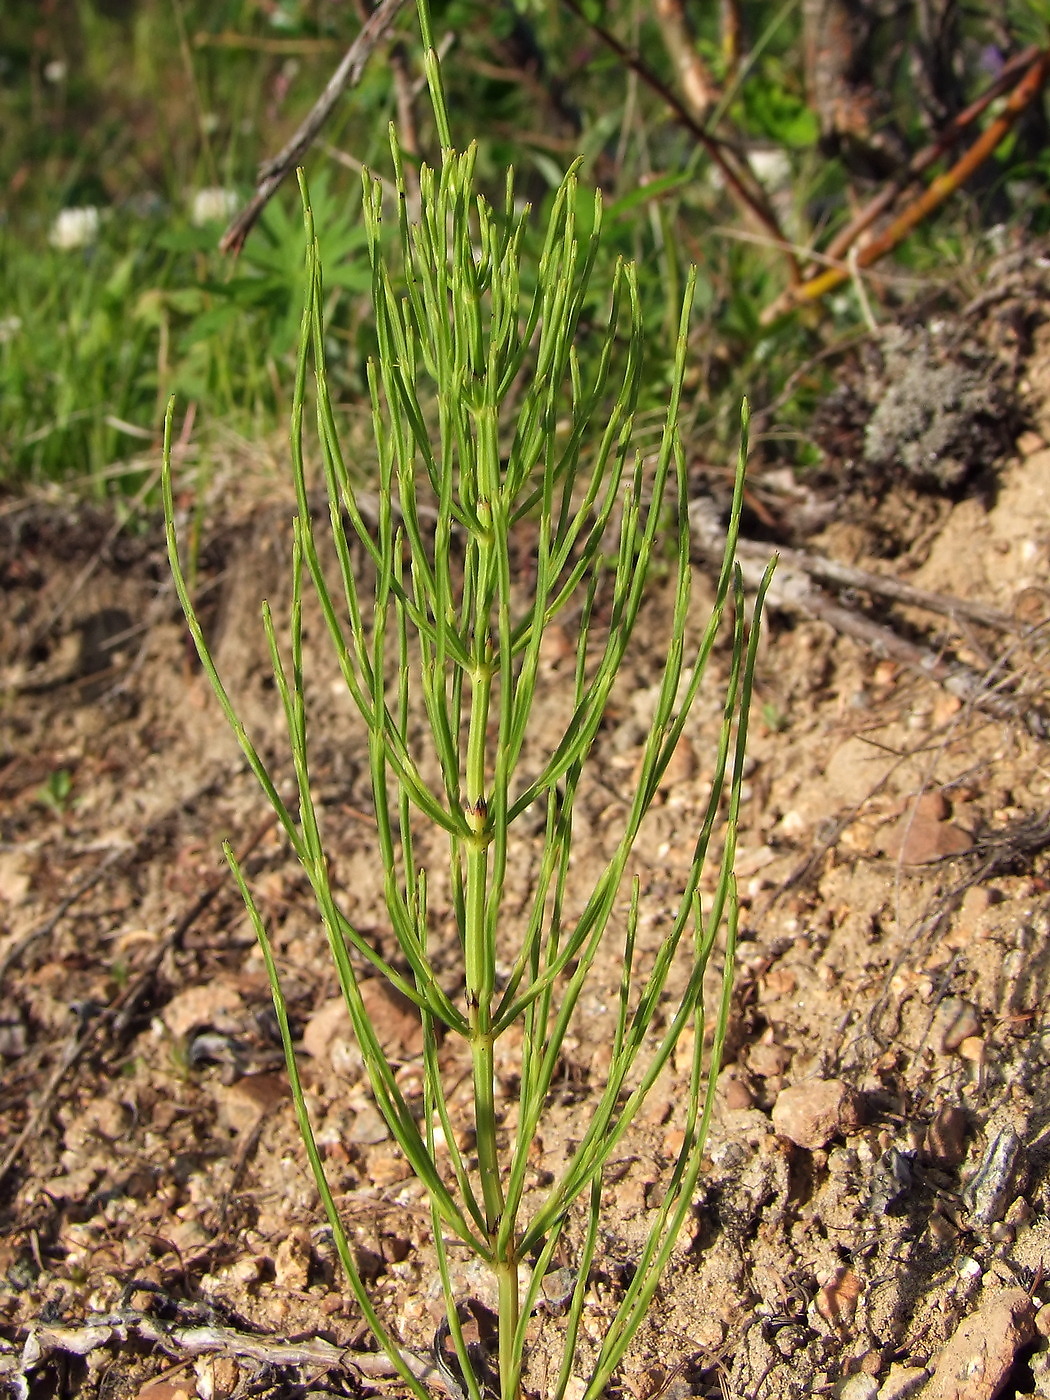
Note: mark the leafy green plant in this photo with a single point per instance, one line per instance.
(489, 432)
(56, 793)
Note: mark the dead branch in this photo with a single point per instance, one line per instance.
(931, 198)
(794, 590)
(740, 183)
(313, 1353)
(272, 172)
(922, 160)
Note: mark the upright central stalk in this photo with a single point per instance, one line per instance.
(478, 946)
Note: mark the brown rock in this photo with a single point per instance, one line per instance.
(956, 1020)
(291, 1261)
(945, 1144)
(387, 1169)
(903, 1383)
(767, 1061)
(395, 1020)
(329, 1038)
(369, 1127)
(917, 839)
(836, 1300)
(932, 805)
(734, 1089)
(977, 1362)
(812, 1113)
(216, 1004)
(241, 1105)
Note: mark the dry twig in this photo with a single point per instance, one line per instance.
(739, 181)
(273, 172)
(937, 192)
(210, 1338)
(794, 590)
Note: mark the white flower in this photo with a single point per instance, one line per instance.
(75, 228)
(772, 168)
(9, 328)
(213, 206)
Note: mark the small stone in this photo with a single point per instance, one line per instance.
(903, 1382)
(387, 1169)
(291, 1262)
(329, 1021)
(242, 1104)
(932, 805)
(955, 1021)
(1042, 1320)
(768, 1060)
(165, 1390)
(859, 1387)
(369, 1127)
(217, 1377)
(972, 1049)
(14, 877)
(812, 1113)
(975, 904)
(395, 1020)
(188, 1236)
(917, 840)
(734, 1089)
(107, 1117)
(217, 1005)
(836, 1300)
(945, 1144)
(249, 1270)
(989, 1192)
(980, 1355)
(682, 765)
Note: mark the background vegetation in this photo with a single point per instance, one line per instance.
(155, 114)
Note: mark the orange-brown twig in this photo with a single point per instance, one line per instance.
(743, 189)
(921, 162)
(935, 195)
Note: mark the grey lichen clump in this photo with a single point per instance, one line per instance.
(942, 410)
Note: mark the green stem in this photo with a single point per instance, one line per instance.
(509, 1307)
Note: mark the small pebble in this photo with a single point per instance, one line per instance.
(734, 1089)
(767, 1061)
(812, 1113)
(903, 1382)
(857, 1388)
(945, 1144)
(917, 840)
(956, 1020)
(991, 1189)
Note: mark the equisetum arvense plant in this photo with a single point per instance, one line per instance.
(487, 430)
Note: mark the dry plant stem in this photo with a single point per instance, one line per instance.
(698, 86)
(273, 172)
(951, 136)
(880, 585)
(935, 195)
(795, 591)
(748, 194)
(211, 1339)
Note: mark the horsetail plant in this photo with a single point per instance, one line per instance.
(488, 434)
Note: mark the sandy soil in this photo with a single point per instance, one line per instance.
(878, 1163)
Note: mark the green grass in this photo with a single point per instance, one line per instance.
(134, 108)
